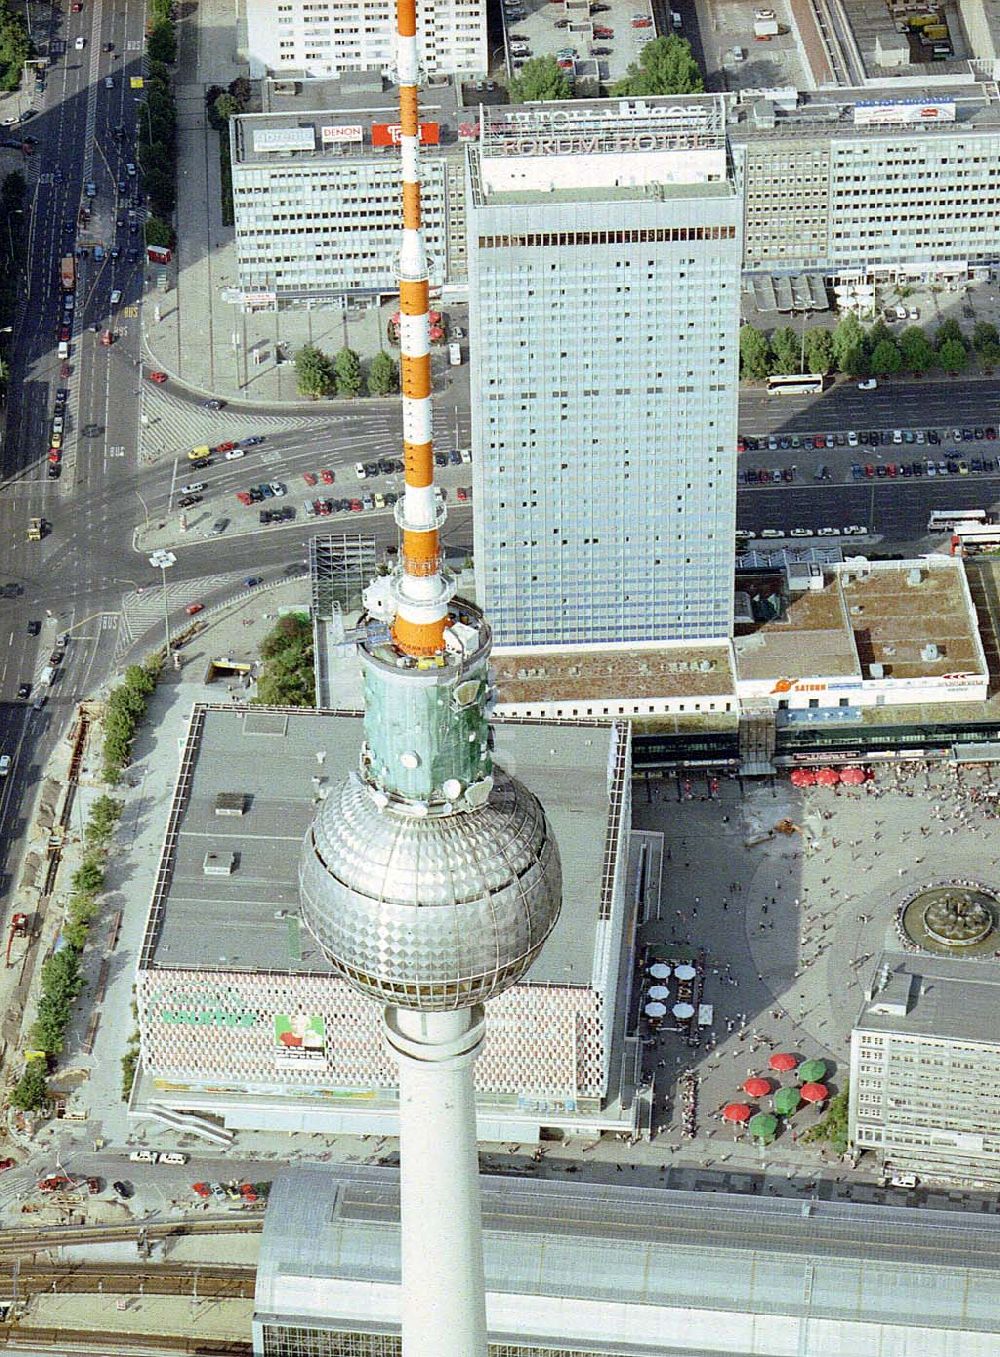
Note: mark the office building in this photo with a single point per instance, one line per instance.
(316, 39)
(225, 951)
(925, 1069)
(316, 195)
(884, 183)
(578, 1269)
(604, 258)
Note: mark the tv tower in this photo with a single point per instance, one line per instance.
(430, 878)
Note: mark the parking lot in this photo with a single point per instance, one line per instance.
(598, 45)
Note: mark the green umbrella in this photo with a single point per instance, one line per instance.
(812, 1072)
(786, 1100)
(763, 1126)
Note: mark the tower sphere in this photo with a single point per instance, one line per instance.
(431, 912)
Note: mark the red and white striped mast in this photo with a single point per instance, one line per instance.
(422, 589)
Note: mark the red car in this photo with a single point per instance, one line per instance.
(309, 477)
(244, 496)
(224, 447)
(55, 455)
(201, 1189)
(326, 476)
(356, 506)
(741, 445)
(65, 370)
(322, 507)
(6, 1164)
(462, 493)
(64, 332)
(601, 32)
(158, 377)
(193, 608)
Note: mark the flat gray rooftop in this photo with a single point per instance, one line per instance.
(954, 998)
(248, 919)
(652, 1247)
(830, 113)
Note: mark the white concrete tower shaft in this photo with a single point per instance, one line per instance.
(443, 1293)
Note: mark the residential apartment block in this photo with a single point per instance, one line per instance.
(317, 39)
(604, 274)
(925, 1068)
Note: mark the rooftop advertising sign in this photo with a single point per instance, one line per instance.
(348, 132)
(902, 113)
(389, 134)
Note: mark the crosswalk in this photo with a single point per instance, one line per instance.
(170, 425)
(143, 610)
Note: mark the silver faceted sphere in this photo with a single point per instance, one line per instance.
(440, 912)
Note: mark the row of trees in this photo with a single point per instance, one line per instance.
(221, 104)
(15, 47)
(61, 975)
(13, 227)
(157, 131)
(666, 66)
(859, 352)
(288, 677)
(342, 375)
(126, 706)
(833, 1126)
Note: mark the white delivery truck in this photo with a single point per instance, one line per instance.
(455, 354)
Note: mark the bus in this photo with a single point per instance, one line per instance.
(943, 520)
(971, 536)
(801, 384)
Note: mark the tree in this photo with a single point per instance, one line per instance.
(984, 335)
(383, 375)
(226, 107)
(540, 78)
(347, 372)
(885, 358)
(288, 676)
(4, 373)
(158, 232)
(786, 351)
(819, 349)
(104, 815)
(855, 361)
(88, 877)
(953, 355)
(31, 1091)
(15, 48)
(313, 372)
(989, 356)
(666, 66)
(847, 337)
(755, 354)
(948, 330)
(162, 43)
(915, 350)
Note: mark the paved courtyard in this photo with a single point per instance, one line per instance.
(789, 925)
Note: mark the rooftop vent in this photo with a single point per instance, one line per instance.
(231, 803)
(930, 653)
(219, 864)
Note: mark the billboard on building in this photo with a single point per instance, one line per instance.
(388, 134)
(347, 132)
(299, 1040)
(903, 112)
(283, 138)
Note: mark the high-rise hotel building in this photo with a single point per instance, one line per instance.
(604, 275)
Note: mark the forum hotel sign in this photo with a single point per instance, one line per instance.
(528, 133)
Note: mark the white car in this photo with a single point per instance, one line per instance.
(852, 439)
(359, 470)
(277, 489)
(80, 44)
(116, 296)
(897, 435)
(195, 488)
(870, 385)
(234, 454)
(4, 764)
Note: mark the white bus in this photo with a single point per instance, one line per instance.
(973, 536)
(800, 384)
(943, 520)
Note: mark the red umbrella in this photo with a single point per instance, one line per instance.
(395, 317)
(737, 1112)
(436, 332)
(828, 777)
(853, 776)
(803, 777)
(757, 1087)
(782, 1061)
(434, 316)
(814, 1093)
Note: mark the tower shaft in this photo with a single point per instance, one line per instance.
(443, 1292)
(422, 593)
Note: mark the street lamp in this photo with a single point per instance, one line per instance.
(164, 559)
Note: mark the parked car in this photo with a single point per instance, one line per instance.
(194, 608)
(326, 476)
(123, 1189)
